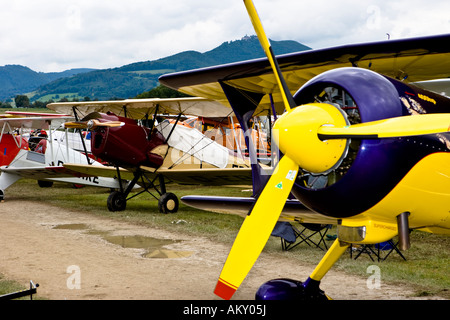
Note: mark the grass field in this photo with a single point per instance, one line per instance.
(426, 268)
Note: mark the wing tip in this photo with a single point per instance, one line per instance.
(224, 289)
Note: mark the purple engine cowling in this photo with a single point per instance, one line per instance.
(373, 167)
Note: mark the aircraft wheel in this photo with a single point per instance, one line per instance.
(45, 183)
(2, 195)
(168, 203)
(288, 289)
(116, 201)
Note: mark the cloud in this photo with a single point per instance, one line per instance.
(53, 35)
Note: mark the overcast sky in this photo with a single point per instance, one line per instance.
(55, 35)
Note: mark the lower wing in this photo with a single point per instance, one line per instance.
(293, 210)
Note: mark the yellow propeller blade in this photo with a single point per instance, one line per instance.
(75, 125)
(256, 229)
(259, 224)
(111, 124)
(257, 25)
(389, 128)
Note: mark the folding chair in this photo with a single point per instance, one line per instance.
(380, 250)
(388, 247)
(291, 236)
(367, 249)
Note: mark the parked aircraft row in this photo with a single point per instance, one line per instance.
(123, 153)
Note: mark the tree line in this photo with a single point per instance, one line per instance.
(22, 101)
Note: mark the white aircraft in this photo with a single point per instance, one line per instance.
(42, 156)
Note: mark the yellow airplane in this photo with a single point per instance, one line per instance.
(361, 144)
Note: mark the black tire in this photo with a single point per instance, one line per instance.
(45, 183)
(168, 203)
(117, 201)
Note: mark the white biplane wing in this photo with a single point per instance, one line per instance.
(207, 176)
(139, 108)
(33, 122)
(41, 173)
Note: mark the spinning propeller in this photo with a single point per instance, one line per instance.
(313, 137)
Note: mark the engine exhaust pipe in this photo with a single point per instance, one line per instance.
(403, 231)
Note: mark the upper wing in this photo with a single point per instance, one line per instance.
(35, 122)
(21, 114)
(139, 108)
(415, 59)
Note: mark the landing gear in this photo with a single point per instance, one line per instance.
(287, 289)
(167, 202)
(45, 183)
(117, 201)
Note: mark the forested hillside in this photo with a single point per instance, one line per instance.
(16, 79)
(131, 80)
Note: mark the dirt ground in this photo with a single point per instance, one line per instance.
(78, 265)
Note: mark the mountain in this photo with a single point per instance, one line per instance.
(130, 80)
(17, 79)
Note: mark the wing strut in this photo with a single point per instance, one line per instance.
(173, 128)
(153, 121)
(74, 110)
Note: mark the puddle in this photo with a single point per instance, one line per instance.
(167, 254)
(153, 246)
(138, 242)
(72, 226)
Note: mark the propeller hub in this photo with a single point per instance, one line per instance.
(90, 124)
(297, 138)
